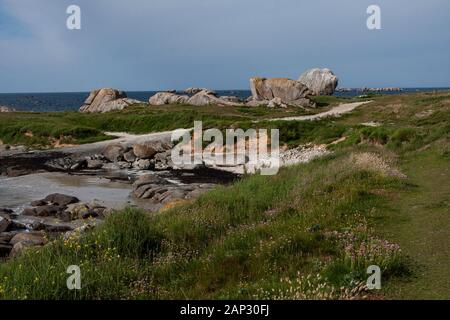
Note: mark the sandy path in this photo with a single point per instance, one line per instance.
(334, 112)
(122, 138)
(130, 139)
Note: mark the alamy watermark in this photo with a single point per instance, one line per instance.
(74, 280)
(73, 22)
(254, 148)
(374, 20)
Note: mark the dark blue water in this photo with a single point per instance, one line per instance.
(45, 102)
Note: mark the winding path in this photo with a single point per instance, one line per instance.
(334, 112)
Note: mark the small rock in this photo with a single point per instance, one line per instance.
(94, 164)
(36, 238)
(38, 203)
(129, 156)
(143, 164)
(4, 224)
(61, 199)
(48, 211)
(114, 152)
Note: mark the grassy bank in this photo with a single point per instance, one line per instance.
(45, 129)
(309, 232)
(260, 238)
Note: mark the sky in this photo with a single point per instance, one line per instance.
(139, 45)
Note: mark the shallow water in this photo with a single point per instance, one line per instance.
(16, 193)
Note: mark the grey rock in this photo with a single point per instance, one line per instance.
(47, 211)
(36, 238)
(142, 164)
(194, 90)
(129, 156)
(5, 224)
(163, 98)
(206, 98)
(61, 199)
(320, 81)
(289, 91)
(114, 152)
(94, 163)
(106, 100)
(277, 103)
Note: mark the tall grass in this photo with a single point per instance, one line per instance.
(233, 242)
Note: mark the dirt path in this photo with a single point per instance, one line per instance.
(122, 138)
(334, 112)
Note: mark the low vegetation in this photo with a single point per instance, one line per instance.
(310, 232)
(43, 130)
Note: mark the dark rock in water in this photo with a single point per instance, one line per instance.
(29, 212)
(41, 226)
(5, 224)
(61, 199)
(48, 211)
(6, 211)
(90, 214)
(38, 203)
(17, 225)
(17, 171)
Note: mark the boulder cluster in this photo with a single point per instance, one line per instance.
(153, 155)
(46, 219)
(270, 92)
(159, 191)
(106, 100)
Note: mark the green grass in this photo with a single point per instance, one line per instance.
(234, 242)
(295, 235)
(42, 129)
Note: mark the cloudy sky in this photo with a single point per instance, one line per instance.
(163, 44)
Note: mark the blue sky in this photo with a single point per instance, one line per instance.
(220, 44)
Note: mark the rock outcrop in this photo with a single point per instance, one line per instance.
(322, 82)
(6, 109)
(207, 98)
(106, 100)
(290, 92)
(163, 98)
(194, 90)
(159, 191)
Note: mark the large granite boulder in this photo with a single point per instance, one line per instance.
(106, 100)
(163, 98)
(322, 82)
(207, 98)
(114, 152)
(290, 92)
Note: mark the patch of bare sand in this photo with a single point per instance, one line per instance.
(374, 162)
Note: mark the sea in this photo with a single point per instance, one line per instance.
(71, 101)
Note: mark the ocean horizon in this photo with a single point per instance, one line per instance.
(72, 101)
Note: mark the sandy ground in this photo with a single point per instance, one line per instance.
(334, 112)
